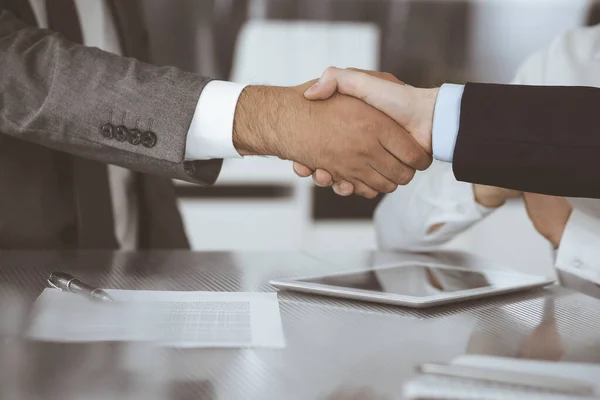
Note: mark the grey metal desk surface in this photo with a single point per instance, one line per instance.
(333, 346)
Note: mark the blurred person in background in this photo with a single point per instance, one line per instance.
(66, 111)
(436, 207)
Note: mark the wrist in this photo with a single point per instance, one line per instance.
(247, 130)
(422, 126)
(262, 123)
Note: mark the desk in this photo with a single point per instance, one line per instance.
(331, 344)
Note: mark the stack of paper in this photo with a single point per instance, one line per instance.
(441, 387)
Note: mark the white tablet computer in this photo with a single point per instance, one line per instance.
(415, 284)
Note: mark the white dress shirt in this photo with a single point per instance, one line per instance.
(211, 131)
(404, 219)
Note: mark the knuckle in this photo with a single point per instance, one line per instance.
(364, 155)
(330, 72)
(425, 163)
(364, 193)
(390, 188)
(406, 177)
(355, 169)
(371, 195)
(379, 185)
(336, 176)
(412, 157)
(361, 190)
(417, 158)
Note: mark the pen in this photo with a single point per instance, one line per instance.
(68, 283)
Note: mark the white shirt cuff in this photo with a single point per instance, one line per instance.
(211, 131)
(446, 121)
(579, 253)
(458, 212)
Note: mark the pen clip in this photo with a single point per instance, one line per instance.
(52, 285)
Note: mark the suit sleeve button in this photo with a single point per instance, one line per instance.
(134, 137)
(121, 133)
(108, 131)
(149, 139)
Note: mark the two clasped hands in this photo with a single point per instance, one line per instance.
(410, 108)
(364, 132)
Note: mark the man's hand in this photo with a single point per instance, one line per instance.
(493, 197)
(549, 215)
(351, 140)
(410, 107)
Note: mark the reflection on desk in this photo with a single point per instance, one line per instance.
(412, 280)
(333, 346)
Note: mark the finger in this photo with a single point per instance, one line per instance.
(363, 190)
(325, 87)
(394, 170)
(381, 75)
(322, 178)
(405, 148)
(376, 181)
(376, 92)
(343, 188)
(339, 80)
(302, 170)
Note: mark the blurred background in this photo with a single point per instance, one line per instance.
(259, 203)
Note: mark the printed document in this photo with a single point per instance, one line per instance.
(177, 319)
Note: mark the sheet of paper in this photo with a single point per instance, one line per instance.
(587, 373)
(178, 319)
(438, 387)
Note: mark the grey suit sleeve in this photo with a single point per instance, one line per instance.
(60, 95)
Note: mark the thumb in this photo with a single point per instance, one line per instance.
(336, 79)
(345, 81)
(323, 89)
(386, 96)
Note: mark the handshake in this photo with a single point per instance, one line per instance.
(362, 132)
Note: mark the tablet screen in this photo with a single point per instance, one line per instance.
(414, 280)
